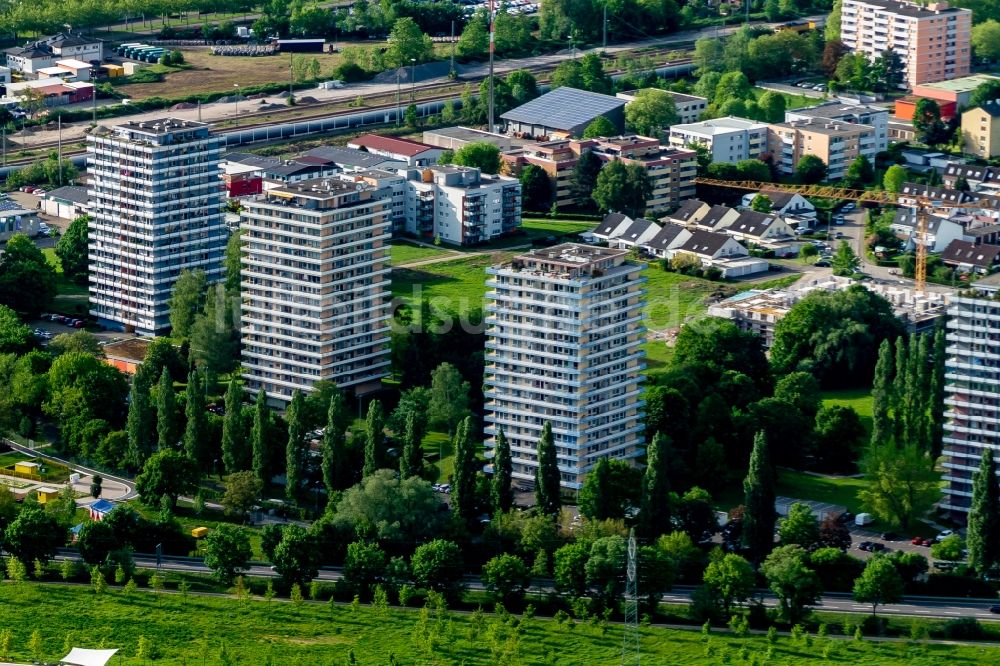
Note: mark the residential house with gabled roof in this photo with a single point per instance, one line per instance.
(971, 258)
(718, 218)
(613, 226)
(709, 245)
(689, 212)
(940, 230)
(785, 203)
(670, 237)
(637, 234)
(974, 174)
(756, 227)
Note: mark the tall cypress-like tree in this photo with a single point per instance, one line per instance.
(233, 438)
(501, 492)
(374, 435)
(913, 422)
(655, 516)
(166, 412)
(296, 448)
(547, 476)
(882, 394)
(463, 487)
(899, 390)
(936, 384)
(411, 462)
(196, 429)
(921, 414)
(758, 501)
(137, 426)
(258, 438)
(336, 476)
(984, 516)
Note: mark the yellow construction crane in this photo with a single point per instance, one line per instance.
(923, 206)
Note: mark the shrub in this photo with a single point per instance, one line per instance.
(963, 628)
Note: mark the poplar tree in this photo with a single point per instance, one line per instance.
(912, 421)
(882, 394)
(411, 462)
(983, 539)
(655, 516)
(138, 425)
(197, 423)
(295, 449)
(374, 434)
(233, 440)
(336, 476)
(258, 438)
(501, 492)
(166, 406)
(463, 487)
(547, 477)
(899, 390)
(936, 391)
(920, 415)
(758, 501)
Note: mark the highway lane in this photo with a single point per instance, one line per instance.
(929, 607)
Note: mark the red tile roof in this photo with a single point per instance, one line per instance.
(390, 144)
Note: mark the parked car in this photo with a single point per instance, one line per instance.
(822, 264)
(877, 547)
(994, 609)
(943, 535)
(890, 536)
(865, 545)
(916, 541)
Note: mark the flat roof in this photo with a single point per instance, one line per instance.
(720, 125)
(133, 349)
(964, 84)
(572, 254)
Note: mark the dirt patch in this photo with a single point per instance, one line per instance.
(209, 73)
(315, 640)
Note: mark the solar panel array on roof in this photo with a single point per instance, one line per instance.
(564, 108)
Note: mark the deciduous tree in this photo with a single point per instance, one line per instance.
(732, 578)
(228, 552)
(374, 437)
(297, 448)
(651, 113)
(879, 583)
(72, 250)
(655, 514)
(166, 472)
(234, 454)
(187, 299)
(792, 581)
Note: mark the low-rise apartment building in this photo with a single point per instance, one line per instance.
(564, 346)
(836, 143)
(932, 40)
(728, 139)
(981, 130)
(876, 117)
(671, 171)
(315, 286)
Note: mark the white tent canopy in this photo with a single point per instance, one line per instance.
(84, 657)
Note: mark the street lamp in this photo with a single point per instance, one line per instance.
(413, 64)
(237, 98)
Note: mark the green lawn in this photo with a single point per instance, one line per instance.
(402, 252)
(791, 101)
(54, 473)
(541, 226)
(64, 287)
(859, 399)
(830, 489)
(454, 285)
(213, 630)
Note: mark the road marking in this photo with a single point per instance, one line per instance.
(922, 612)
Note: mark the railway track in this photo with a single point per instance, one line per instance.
(426, 94)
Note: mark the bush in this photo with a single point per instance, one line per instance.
(963, 628)
(872, 625)
(350, 72)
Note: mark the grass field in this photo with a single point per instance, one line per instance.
(54, 473)
(859, 399)
(454, 285)
(832, 489)
(402, 252)
(212, 630)
(791, 101)
(64, 286)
